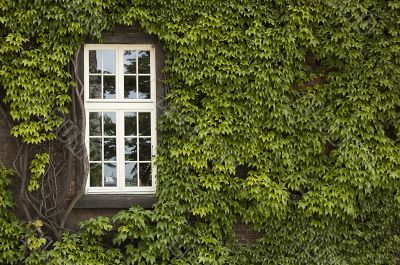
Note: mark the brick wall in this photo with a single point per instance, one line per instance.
(244, 234)
(78, 215)
(8, 147)
(8, 152)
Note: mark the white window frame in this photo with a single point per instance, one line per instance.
(121, 105)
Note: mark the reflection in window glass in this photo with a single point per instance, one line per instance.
(144, 123)
(110, 174)
(109, 62)
(95, 149)
(95, 86)
(130, 90)
(130, 174)
(95, 124)
(130, 123)
(145, 174)
(144, 87)
(110, 149)
(94, 62)
(109, 123)
(109, 87)
(95, 175)
(144, 62)
(144, 149)
(130, 149)
(130, 62)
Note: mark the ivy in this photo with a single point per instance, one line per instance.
(38, 167)
(283, 115)
(11, 228)
(38, 38)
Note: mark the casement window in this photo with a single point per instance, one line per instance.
(120, 103)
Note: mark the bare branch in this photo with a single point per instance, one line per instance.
(85, 162)
(48, 202)
(21, 172)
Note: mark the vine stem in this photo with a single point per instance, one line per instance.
(85, 160)
(23, 163)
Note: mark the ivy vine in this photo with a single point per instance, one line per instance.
(281, 114)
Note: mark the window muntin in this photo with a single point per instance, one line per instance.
(136, 74)
(103, 152)
(121, 118)
(138, 151)
(102, 74)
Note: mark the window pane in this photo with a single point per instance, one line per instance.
(144, 87)
(95, 175)
(130, 123)
(130, 149)
(95, 123)
(130, 90)
(130, 62)
(144, 149)
(110, 149)
(144, 123)
(109, 62)
(144, 62)
(94, 86)
(145, 174)
(94, 61)
(95, 149)
(110, 174)
(109, 87)
(130, 174)
(109, 123)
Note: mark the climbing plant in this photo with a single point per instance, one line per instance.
(281, 114)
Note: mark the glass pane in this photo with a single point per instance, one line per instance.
(130, 123)
(110, 149)
(144, 149)
(144, 123)
(109, 62)
(110, 174)
(144, 87)
(94, 61)
(130, 87)
(109, 86)
(130, 149)
(109, 123)
(130, 62)
(95, 175)
(144, 62)
(130, 174)
(95, 86)
(95, 123)
(145, 174)
(95, 149)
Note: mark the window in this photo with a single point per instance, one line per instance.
(120, 104)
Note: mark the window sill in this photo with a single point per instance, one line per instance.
(126, 191)
(114, 201)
